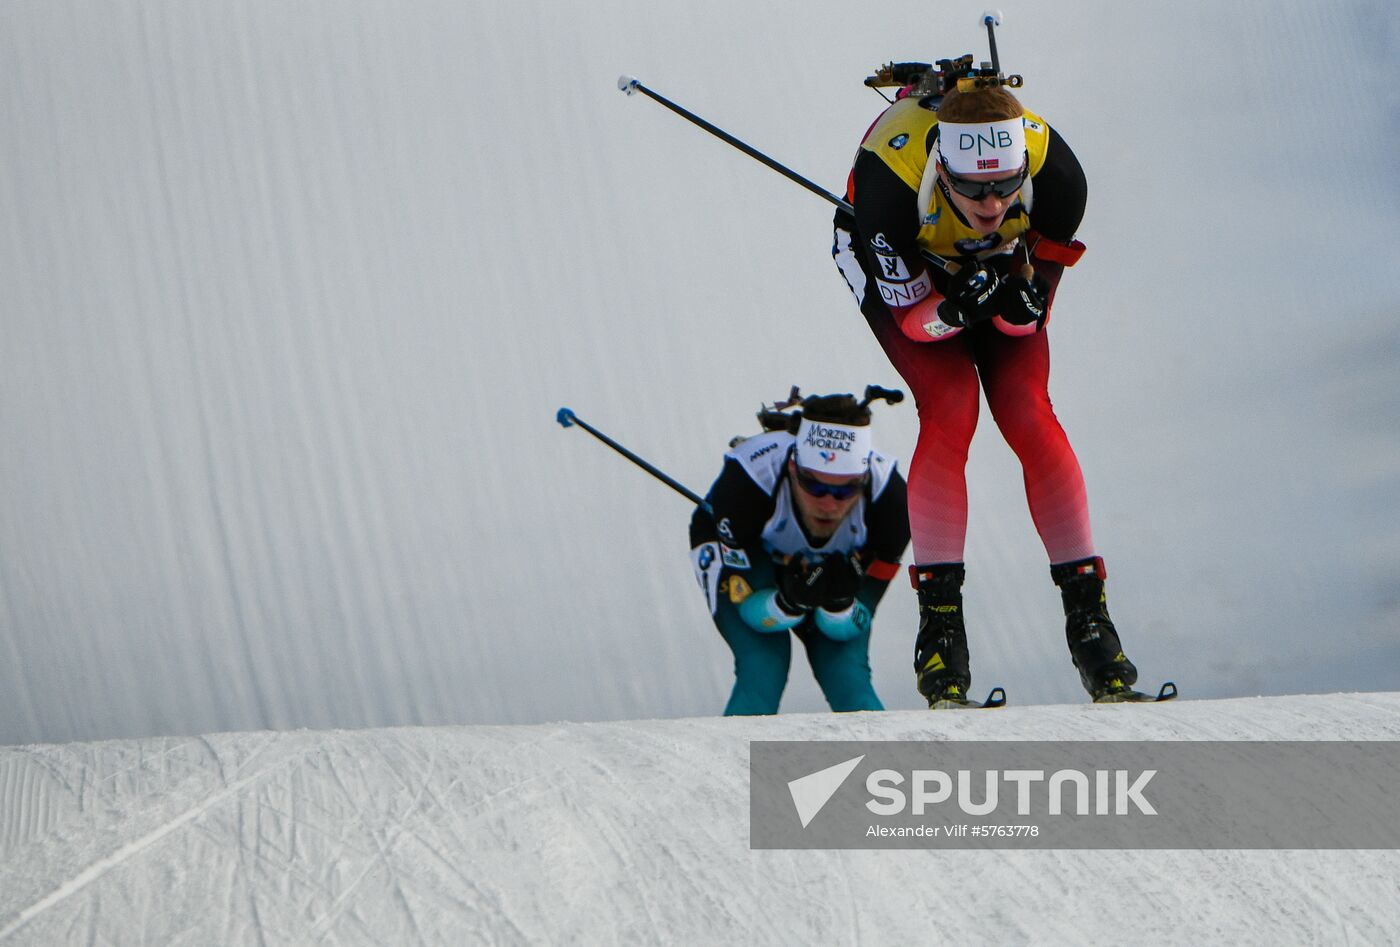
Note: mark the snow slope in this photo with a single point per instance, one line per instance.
(626, 832)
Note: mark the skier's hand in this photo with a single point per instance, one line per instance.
(838, 578)
(1021, 301)
(969, 297)
(794, 597)
(831, 583)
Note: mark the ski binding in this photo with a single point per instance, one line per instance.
(997, 698)
(1126, 695)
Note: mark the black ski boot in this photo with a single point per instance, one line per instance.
(1093, 641)
(940, 652)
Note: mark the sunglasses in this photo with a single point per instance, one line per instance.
(980, 190)
(838, 491)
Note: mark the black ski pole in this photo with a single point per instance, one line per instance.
(630, 85)
(992, 18)
(567, 418)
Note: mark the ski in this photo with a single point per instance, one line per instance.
(997, 698)
(1129, 696)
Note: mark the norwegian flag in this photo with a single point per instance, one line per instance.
(988, 164)
(1094, 566)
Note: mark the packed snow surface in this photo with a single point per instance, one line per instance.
(622, 832)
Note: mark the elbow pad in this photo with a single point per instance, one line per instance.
(1053, 251)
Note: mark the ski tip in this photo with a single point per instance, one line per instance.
(1168, 691)
(997, 698)
(565, 417)
(627, 84)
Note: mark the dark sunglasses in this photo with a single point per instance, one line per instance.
(838, 491)
(979, 190)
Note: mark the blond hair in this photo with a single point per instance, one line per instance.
(979, 105)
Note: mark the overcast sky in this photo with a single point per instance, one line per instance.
(293, 293)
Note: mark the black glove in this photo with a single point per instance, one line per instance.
(792, 586)
(839, 579)
(1021, 301)
(830, 583)
(968, 299)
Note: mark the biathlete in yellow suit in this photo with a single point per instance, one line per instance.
(974, 178)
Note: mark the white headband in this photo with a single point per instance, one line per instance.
(830, 448)
(983, 147)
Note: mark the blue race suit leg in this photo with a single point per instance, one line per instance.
(842, 669)
(760, 663)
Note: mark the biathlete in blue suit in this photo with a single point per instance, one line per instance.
(807, 528)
